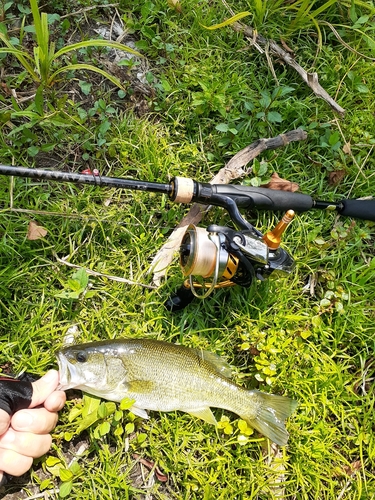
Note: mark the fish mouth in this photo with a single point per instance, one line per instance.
(67, 373)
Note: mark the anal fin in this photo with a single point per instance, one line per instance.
(204, 414)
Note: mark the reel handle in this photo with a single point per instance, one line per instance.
(359, 209)
(181, 298)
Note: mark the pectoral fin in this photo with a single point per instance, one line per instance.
(205, 414)
(139, 412)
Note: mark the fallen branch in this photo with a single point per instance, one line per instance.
(231, 171)
(311, 79)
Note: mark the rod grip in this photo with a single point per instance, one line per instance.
(359, 209)
(264, 198)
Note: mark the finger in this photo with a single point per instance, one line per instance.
(13, 463)
(55, 401)
(36, 420)
(25, 443)
(4, 421)
(43, 387)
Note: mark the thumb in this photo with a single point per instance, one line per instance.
(43, 387)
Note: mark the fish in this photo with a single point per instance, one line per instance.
(163, 376)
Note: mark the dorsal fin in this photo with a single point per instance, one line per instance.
(221, 366)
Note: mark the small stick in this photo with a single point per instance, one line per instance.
(86, 9)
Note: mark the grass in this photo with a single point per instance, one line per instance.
(309, 335)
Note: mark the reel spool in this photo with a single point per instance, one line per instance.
(205, 254)
(221, 256)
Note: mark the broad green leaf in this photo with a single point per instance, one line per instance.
(222, 127)
(65, 489)
(46, 484)
(81, 277)
(110, 407)
(119, 431)
(104, 428)
(229, 21)
(75, 468)
(87, 422)
(66, 475)
(126, 403)
(102, 411)
(51, 461)
(274, 117)
(104, 127)
(68, 436)
(129, 427)
(33, 150)
(90, 404)
(85, 87)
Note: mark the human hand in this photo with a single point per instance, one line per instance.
(25, 435)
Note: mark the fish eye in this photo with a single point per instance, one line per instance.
(81, 357)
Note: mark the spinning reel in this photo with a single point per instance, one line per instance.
(220, 257)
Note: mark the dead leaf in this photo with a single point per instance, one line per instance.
(175, 4)
(347, 148)
(35, 232)
(280, 184)
(254, 351)
(336, 177)
(285, 47)
(5, 88)
(352, 468)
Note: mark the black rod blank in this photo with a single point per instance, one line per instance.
(92, 179)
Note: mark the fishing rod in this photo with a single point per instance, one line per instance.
(225, 256)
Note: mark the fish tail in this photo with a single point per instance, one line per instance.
(271, 415)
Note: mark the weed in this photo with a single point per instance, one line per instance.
(41, 66)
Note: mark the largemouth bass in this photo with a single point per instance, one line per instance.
(165, 377)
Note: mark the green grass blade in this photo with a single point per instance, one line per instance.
(363, 5)
(302, 13)
(37, 21)
(228, 22)
(88, 67)
(96, 43)
(323, 8)
(22, 58)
